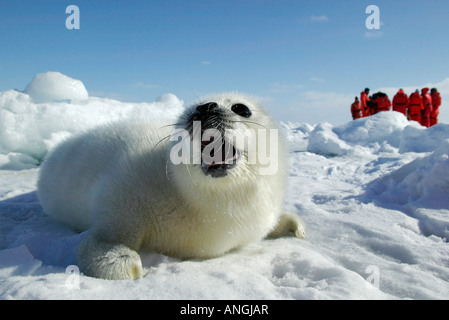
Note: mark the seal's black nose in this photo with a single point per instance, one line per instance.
(206, 107)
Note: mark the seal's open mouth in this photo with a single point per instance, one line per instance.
(217, 159)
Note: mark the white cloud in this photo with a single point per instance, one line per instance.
(146, 85)
(316, 79)
(373, 34)
(325, 98)
(442, 86)
(277, 87)
(205, 62)
(321, 18)
(315, 107)
(327, 106)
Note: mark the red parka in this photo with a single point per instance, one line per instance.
(363, 105)
(355, 110)
(383, 103)
(436, 103)
(428, 108)
(400, 102)
(415, 107)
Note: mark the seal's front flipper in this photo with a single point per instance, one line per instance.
(108, 261)
(289, 222)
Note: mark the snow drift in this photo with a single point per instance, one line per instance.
(55, 86)
(383, 132)
(422, 186)
(28, 129)
(373, 194)
(425, 180)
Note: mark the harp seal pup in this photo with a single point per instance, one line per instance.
(121, 183)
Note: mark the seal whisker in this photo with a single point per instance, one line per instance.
(174, 125)
(161, 140)
(166, 169)
(188, 170)
(251, 122)
(166, 137)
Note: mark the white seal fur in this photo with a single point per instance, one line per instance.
(118, 181)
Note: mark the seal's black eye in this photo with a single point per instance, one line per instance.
(241, 110)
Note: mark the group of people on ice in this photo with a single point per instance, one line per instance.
(420, 107)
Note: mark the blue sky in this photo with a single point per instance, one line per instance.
(306, 60)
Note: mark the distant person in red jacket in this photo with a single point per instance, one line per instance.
(428, 108)
(364, 98)
(436, 103)
(382, 102)
(415, 107)
(400, 102)
(355, 109)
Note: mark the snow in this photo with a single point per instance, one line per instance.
(29, 129)
(372, 192)
(55, 86)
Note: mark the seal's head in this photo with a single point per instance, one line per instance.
(228, 135)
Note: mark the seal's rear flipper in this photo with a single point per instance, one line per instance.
(289, 222)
